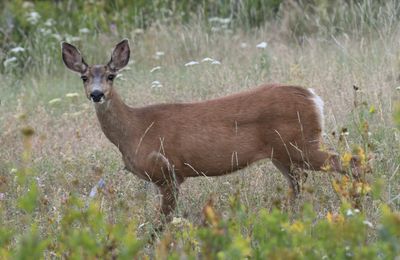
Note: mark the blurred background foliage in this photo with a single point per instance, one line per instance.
(31, 24)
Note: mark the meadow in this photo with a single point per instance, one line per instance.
(64, 192)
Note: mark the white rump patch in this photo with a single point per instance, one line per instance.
(319, 104)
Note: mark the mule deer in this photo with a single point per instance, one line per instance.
(166, 143)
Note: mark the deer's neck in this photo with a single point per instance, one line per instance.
(118, 121)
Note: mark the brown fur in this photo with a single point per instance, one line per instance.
(167, 143)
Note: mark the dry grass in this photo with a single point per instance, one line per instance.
(70, 153)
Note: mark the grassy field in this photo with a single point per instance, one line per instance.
(47, 177)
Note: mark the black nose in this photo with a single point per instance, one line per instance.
(96, 95)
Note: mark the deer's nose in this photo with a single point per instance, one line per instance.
(96, 95)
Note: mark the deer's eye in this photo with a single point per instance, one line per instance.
(84, 78)
(111, 77)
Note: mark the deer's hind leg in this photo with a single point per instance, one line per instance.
(169, 195)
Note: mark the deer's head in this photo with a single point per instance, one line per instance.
(97, 79)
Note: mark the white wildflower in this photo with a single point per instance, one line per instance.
(33, 17)
(213, 19)
(84, 30)
(243, 45)
(56, 36)
(156, 84)
(225, 20)
(50, 22)
(139, 31)
(207, 59)
(13, 171)
(155, 69)
(191, 63)
(141, 225)
(120, 77)
(367, 223)
(54, 101)
(211, 60)
(39, 182)
(219, 20)
(74, 39)
(349, 213)
(2, 196)
(158, 55)
(72, 95)
(45, 31)
(176, 221)
(17, 49)
(27, 4)
(262, 45)
(70, 38)
(9, 60)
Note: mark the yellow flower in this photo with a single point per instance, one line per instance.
(336, 186)
(346, 158)
(366, 187)
(297, 227)
(372, 109)
(362, 188)
(326, 167)
(210, 215)
(334, 218)
(361, 154)
(329, 217)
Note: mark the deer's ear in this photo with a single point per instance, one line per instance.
(120, 56)
(72, 58)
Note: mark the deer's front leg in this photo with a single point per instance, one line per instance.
(168, 181)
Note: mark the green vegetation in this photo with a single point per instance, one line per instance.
(63, 190)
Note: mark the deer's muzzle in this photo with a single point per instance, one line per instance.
(96, 96)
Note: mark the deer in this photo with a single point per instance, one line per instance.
(168, 143)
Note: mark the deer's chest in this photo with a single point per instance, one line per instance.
(133, 166)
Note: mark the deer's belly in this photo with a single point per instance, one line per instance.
(213, 164)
